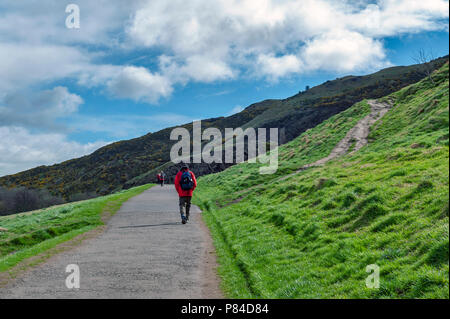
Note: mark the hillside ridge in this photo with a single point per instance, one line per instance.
(133, 162)
(312, 235)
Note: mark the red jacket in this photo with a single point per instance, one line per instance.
(182, 192)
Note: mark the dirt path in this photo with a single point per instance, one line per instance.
(145, 252)
(356, 137)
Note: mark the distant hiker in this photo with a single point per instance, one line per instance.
(185, 183)
(161, 177)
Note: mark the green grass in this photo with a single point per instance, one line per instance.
(309, 147)
(313, 234)
(342, 87)
(32, 233)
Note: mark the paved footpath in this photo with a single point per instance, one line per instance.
(145, 252)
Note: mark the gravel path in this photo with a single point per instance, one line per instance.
(145, 252)
(357, 136)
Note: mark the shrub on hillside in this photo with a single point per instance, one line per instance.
(17, 200)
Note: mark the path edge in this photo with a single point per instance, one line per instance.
(29, 264)
(211, 281)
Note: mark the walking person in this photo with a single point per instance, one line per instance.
(185, 183)
(161, 177)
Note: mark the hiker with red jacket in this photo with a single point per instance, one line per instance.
(161, 177)
(185, 183)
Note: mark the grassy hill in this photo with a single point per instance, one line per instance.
(312, 234)
(307, 109)
(133, 162)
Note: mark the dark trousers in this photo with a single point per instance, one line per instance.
(185, 205)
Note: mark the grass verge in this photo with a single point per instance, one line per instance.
(313, 234)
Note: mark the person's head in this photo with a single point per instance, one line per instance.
(184, 167)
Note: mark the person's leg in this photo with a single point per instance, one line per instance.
(182, 209)
(182, 203)
(188, 206)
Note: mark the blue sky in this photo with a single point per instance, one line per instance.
(205, 100)
(137, 67)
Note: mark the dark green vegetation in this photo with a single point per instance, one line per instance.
(30, 233)
(134, 162)
(21, 199)
(312, 234)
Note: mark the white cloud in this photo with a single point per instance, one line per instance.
(200, 40)
(197, 40)
(277, 67)
(215, 40)
(139, 84)
(130, 82)
(23, 65)
(206, 69)
(38, 22)
(343, 51)
(236, 109)
(20, 149)
(38, 110)
(36, 48)
(199, 68)
(393, 17)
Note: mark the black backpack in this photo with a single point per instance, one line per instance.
(186, 181)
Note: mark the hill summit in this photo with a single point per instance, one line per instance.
(134, 162)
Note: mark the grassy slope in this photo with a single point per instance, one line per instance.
(31, 233)
(132, 162)
(313, 234)
(343, 88)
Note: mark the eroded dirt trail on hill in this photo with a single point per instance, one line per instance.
(145, 252)
(356, 137)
